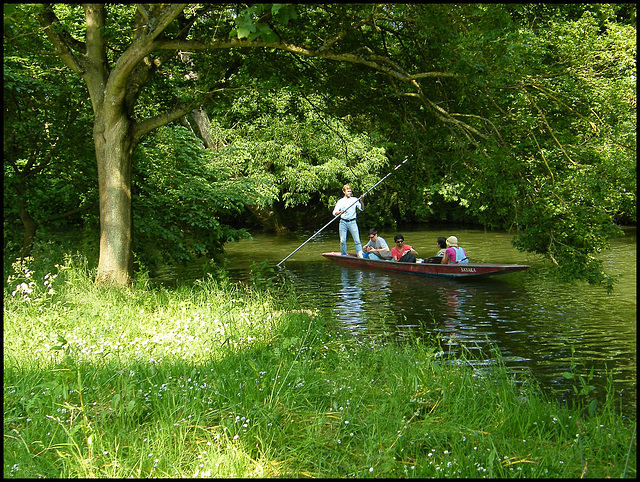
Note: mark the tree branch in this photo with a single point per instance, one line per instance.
(544, 119)
(143, 127)
(329, 43)
(543, 156)
(483, 119)
(378, 63)
(159, 24)
(569, 108)
(96, 47)
(139, 49)
(67, 214)
(62, 43)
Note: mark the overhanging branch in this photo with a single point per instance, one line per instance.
(381, 64)
(378, 63)
(143, 127)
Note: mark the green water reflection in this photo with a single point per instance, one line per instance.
(540, 327)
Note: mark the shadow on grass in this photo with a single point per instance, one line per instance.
(302, 401)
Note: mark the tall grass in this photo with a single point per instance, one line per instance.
(216, 380)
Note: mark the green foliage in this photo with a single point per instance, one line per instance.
(180, 192)
(579, 181)
(49, 163)
(556, 160)
(250, 22)
(283, 142)
(518, 117)
(262, 276)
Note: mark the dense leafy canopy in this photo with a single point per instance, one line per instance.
(49, 163)
(518, 116)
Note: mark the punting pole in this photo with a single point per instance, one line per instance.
(338, 215)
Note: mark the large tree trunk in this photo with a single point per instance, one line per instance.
(204, 125)
(114, 147)
(30, 227)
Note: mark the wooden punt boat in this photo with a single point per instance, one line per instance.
(429, 267)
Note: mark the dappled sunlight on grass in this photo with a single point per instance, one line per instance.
(218, 381)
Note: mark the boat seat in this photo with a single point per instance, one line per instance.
(433, 260)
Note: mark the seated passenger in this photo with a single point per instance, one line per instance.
(403, 252)
(454, 254)
(442, 244)
(377, 247)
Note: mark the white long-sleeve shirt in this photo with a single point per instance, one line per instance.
(349, 204)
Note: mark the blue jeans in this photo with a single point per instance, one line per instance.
(374, 256)
(350, 227)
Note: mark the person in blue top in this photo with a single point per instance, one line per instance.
(346, 207)
(454, 254)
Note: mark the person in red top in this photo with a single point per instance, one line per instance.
(403, 252)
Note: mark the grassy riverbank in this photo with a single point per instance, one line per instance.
(221, 381)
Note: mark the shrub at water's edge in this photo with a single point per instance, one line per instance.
(222, 381)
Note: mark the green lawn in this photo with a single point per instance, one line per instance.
(218, 380)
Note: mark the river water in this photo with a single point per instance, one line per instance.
(540, 327)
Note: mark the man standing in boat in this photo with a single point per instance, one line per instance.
(347, 208)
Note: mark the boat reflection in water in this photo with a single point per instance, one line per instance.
(400, 306)
(452, 301)
(358, 292)
(350, 305)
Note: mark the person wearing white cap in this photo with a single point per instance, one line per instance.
(454, 254)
